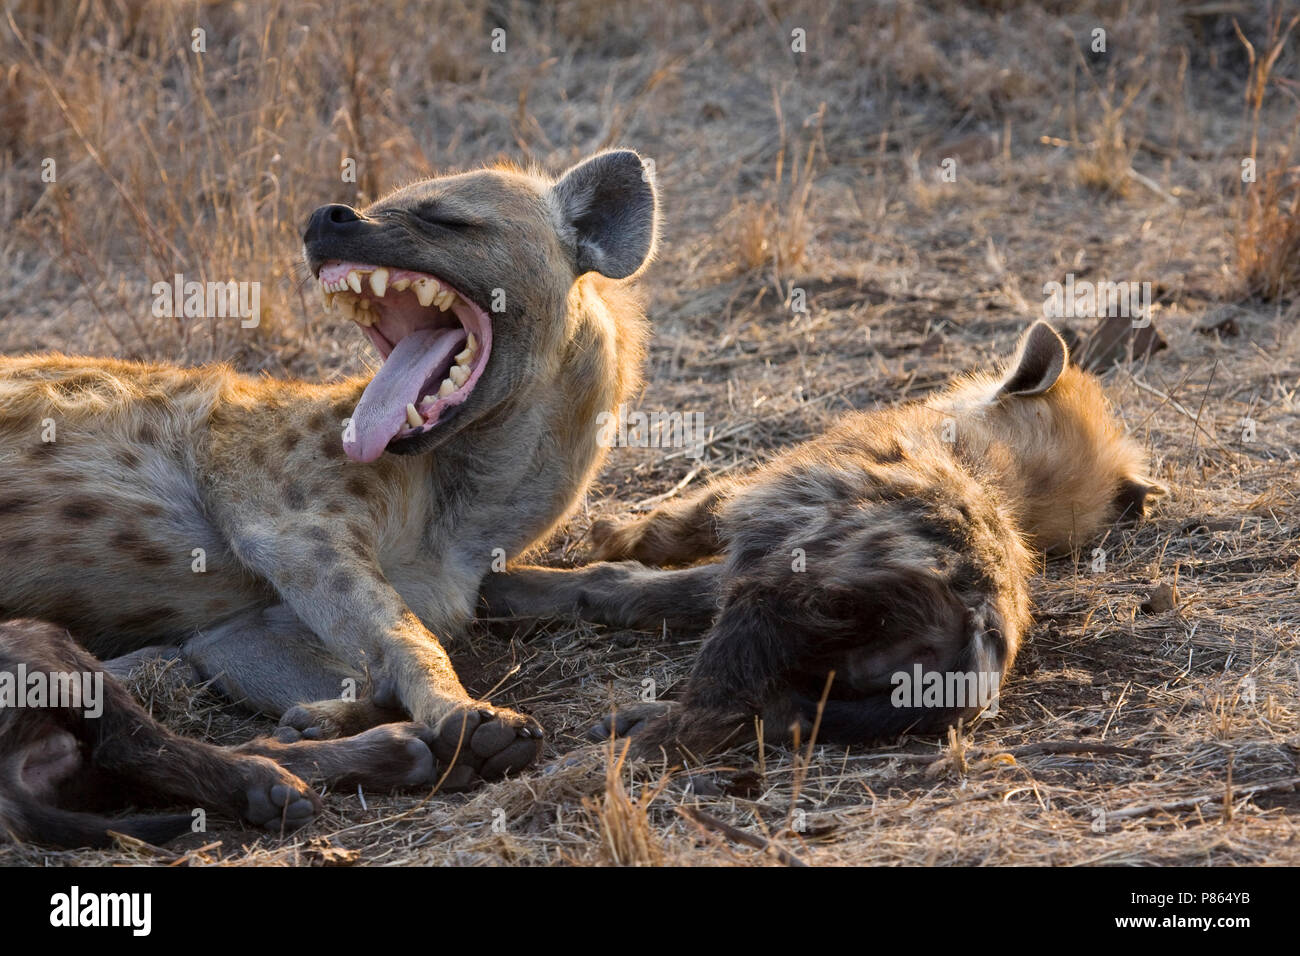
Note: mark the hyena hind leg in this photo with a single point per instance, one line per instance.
(679, 532)
(268, 661)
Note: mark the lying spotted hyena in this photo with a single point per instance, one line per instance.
(899, 538)
(294, 541)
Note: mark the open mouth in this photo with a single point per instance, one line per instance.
(434, 341)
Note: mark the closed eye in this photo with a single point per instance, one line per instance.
(442, 217)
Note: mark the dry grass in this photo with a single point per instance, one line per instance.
(1268, 212)
(1124, 738)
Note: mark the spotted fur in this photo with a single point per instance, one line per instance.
(901, 537)
(196, 507)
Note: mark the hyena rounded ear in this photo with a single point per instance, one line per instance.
(1040, 359)
(607, 213)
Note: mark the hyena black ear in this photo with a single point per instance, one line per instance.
(1131, 498)
(1040, 359)
(607, 213)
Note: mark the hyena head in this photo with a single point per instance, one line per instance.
(466, 286)
(1046, 426)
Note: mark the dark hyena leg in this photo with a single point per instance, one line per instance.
(388, 757)
(617, 593)
(682, 531)
(127, 742)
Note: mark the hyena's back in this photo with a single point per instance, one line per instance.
(871, 550)
(101, 516)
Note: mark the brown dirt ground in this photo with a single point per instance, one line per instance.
(1123, 737)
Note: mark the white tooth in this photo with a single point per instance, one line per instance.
(425, 291)
(458, 374)
(463, 358)
(447, 387)
(354, 280)
(379, 281)
(347, 309)
(428, 400)
(412, 416)
(471, 343)
(401, 285)
(446, 299)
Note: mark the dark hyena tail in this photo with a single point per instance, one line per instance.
(28, 820)
(969, 682)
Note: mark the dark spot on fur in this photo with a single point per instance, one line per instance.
(336, 508)
(357, 486)
(147, 434)
(12, 506)
(318, 534)
(294, 498)
(331, 446)
(151, 554)
(341, 582)
(16, 545)
(291, 442)
(888, 456)
(128, 458)
(126, 539)
(152, 510)
(257, 456)
(324, 554)
(84, 510)
(319, 419)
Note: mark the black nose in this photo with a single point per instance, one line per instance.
(335, 219)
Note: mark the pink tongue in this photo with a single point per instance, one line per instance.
(381, 413)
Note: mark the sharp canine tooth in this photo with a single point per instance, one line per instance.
(463, 358)
(471, 343)
(379, 281)
(425, 290)
(447, 387)
(401, 285)
(458, 374)
(354, 280)
(412, 416)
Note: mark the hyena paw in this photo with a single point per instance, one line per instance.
(611, 541)
(274, 798)
(330, 719)
(483, 742)
(394, 756)
(629, 721)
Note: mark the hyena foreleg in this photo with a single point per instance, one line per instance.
(615, 593)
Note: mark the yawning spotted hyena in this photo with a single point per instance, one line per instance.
(343, 529)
